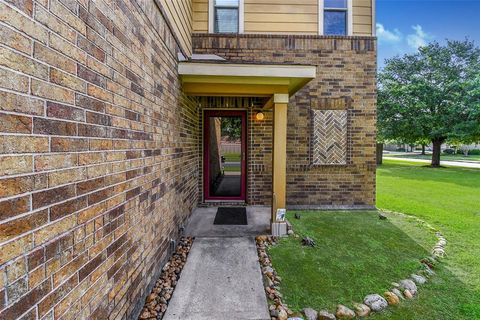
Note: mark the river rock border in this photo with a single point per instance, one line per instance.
(157, 301)
(402, 290)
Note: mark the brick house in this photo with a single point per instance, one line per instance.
(106, 108)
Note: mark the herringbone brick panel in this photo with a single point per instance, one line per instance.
(329, 137)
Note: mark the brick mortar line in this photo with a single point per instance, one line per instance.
(30, 193)
(79, 283)
(85, 111)
(32, 232)
(32, 57)
(85, 151)
(155, 29)
(280, 36)
(60, 170)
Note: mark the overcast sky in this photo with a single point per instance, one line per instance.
(403, 25)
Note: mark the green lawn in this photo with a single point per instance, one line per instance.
(232, 157)
(232, 169)
(358, 253)
(445, 157)
(449, 199)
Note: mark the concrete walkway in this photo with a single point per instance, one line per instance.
(443, 163)
(222, 277)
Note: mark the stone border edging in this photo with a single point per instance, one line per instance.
(404, 289)
(157, 301)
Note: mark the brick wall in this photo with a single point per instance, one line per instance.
(346, 69)
(98, 156)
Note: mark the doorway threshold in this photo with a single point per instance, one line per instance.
(201, 223)
(222, 203)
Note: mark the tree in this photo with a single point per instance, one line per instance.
(431, 95)
(231, 128)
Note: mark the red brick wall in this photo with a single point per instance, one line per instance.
(346, 68)
(98, 156)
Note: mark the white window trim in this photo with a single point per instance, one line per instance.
(211, 10)
(350, 17)
(320, 17)
(321, 9)
(241, 16)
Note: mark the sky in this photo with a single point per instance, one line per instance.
(404, 25)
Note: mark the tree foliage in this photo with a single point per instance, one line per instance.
(231, 128)
(431, 95)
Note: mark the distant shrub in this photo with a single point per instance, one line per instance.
(400, 150)
(449, 151)
(474, 152)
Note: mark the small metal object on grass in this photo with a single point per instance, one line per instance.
(297, 216)
(307, 241)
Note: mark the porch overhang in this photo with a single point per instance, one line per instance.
(278, 82)
(249, 80)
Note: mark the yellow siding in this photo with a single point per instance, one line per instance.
(281, 16)
(362, 17)
(285, 16)
(200, 16)
(179, 14)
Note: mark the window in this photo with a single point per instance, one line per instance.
(335, 17)
(226, 16)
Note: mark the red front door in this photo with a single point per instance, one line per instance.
(224, 155)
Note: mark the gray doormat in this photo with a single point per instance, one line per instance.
(231, 216)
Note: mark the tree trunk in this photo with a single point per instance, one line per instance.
(437, 146)
(423, 149)
(379, 153)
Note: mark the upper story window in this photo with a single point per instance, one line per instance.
(226, 13)
(335, 17)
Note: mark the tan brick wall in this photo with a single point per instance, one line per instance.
(345, 80)
(98, 156)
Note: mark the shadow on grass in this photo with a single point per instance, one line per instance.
(358, 254)
(467, 177)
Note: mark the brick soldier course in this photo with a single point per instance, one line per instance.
(100, 151)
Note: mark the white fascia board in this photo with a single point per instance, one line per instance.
(247, 70)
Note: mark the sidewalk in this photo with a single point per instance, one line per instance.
(443, 163)
(222, 277)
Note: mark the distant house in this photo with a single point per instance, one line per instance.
(109, 140)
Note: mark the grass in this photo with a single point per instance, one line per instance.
(232, 157)
(357, 253)
(449, 199)
(445, 157)
(232, 169)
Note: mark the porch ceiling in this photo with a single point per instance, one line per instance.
(223, 79)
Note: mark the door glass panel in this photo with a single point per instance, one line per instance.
(225, 155)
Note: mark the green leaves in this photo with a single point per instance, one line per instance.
(433, 94)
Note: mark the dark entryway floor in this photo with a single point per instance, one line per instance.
(229, 186)
(201, 224)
